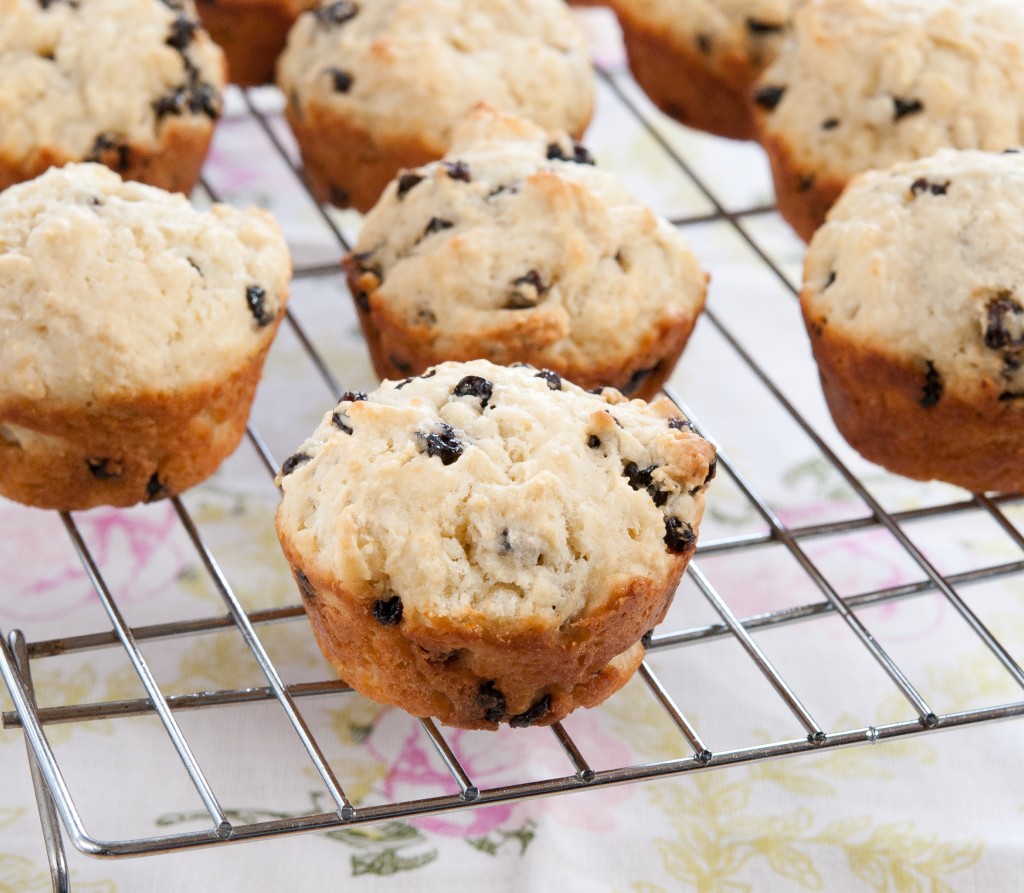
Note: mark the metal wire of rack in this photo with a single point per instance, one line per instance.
(58, 808)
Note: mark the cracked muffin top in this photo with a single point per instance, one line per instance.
(414, 67)
(111, 287)
(502, 493)
(869, 83)
(78, 78)
(518, 242)
(923, 262)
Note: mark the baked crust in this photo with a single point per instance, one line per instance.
(120, 452)
(803, 199)
(172, 163)
(349, 166)
(346, 165)
(450, 670)
(252, 34)
(684, 85)
(398, 349)
(879, 404)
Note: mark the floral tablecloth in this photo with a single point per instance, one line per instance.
(932, 813)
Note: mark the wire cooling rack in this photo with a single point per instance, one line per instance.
(19, 657)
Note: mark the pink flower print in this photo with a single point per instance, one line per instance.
(42, 578)
(599, 812)
(769, 578)
(493, 759)
(415, 771)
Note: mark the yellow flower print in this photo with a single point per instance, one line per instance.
(240, 532)
(19, 875)
(716, 837)
(62, 685)
(10, 816)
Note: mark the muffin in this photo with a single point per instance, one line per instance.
(914, 299)
(135, 329)
(133, 84)
(516, 247)
(376, 86)
(698, 59)
(870, 83)
(486, 544)
(251, 33)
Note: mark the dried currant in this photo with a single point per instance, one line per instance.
(388, 611)
(337, 13)
(406, 182)
(638, 377)
(680, 424)
(553, 379)
(579, 153)
(526, 291)
(458, 170)
(108, 149)
(491, 701)
(444, 444)
(437, 224)
(528, 717)
(760, 28)
(638, 477)
(341, 80)
(293, 462)
(1005, 323)
(932, 391)
(256, 297)
(104, 469)
(183, 32)
(679, 536)
(305, 587)
(474, 386)
(921, 186)
(769, 97)
(901, 107)
(155, 489)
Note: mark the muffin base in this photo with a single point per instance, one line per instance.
(346, 165)
(681, 83)
(875, 401)
(398, 349)
(441, 668)
(252, 34)
(174, 163)
(803, 199)
(122, 452)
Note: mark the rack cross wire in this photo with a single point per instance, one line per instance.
(57, 807)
